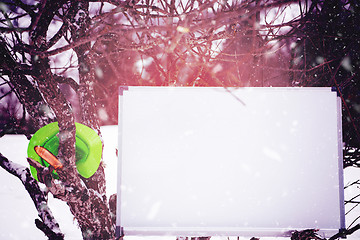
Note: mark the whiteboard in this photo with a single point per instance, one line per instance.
(196, 161)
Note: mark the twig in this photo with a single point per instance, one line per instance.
(345, 232)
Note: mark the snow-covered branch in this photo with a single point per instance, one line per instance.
(47, 224)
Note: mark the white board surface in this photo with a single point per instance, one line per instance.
(215, 161)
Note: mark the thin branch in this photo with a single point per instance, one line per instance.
(35, 20)
(67, 80)
(356, 205)
(353, 183)
(4, 83)
(25, 7)
(12, 29)
(6, 94)
(346, 232)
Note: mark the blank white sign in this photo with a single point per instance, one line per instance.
(215, 161)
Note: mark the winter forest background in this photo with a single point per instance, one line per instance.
(63, 61)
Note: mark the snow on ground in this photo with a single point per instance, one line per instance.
(18, 214)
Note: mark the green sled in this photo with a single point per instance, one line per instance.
(88, 148)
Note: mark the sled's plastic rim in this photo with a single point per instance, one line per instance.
(88, 148)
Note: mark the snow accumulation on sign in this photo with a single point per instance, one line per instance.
(196, 161)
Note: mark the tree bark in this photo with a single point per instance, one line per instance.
(29, 96)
